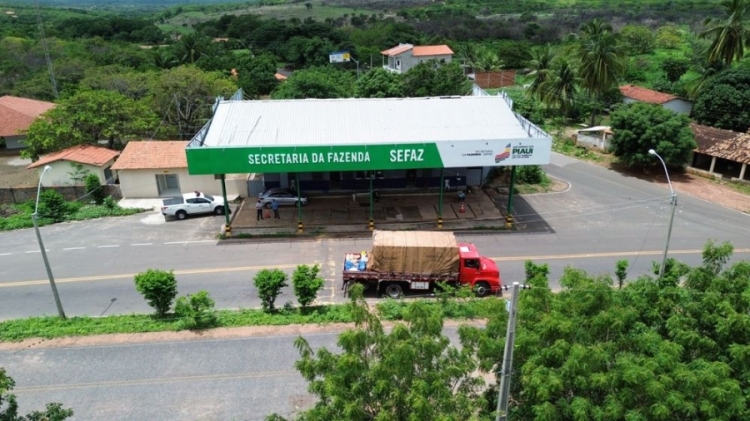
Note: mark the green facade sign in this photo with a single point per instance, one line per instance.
(214, 160)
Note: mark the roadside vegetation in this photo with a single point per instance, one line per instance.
(53, 208)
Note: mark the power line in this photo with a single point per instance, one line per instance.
(46, 50)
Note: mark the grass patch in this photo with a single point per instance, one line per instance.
(739, 187)
(567, 147)
(18, 216)
(54, 327)
(545, 186)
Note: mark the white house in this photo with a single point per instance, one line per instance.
(70, 166)
(632, 93)
(595, 137)
(405, 56)
(16, 115)
(158, 168)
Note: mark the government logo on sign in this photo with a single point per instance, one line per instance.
(504, 155)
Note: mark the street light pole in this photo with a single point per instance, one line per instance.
(673, 202)
(41, 246)
(505, 372)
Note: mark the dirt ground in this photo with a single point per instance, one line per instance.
(13, 172)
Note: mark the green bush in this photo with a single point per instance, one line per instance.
(269, 283)
(158, 287)
(52, 205)
(110, 203)
(307, 283)
(196, 311)
(94, 188)
(530, 174)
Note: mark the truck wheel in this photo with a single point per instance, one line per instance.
(219, 210)
(268, 205)
(181, 215)
(482, 289)
(394, 290)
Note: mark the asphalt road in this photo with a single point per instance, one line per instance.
(604, 217)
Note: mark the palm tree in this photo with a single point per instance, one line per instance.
(560, 88)
(601, 61)
(729, 35)
(541, 62)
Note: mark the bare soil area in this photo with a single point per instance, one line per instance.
(13, 172)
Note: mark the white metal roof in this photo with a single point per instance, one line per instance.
(311, 122)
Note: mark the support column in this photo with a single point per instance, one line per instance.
(300, 226)
(509, 212)
(228, 225)
(440, 204)
(372, 221)
(742, 171)
(713, 164)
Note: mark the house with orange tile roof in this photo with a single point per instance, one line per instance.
(16, 115)
(70, 166)
(403, 57)
(722, 153)
(158, 168)
(632, 93)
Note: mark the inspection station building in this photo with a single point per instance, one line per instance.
(345, 145)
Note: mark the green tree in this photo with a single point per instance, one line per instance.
(560, 89)
(52, 206)
(158, 287)
(724, 100)
(257, 75)
(94, 189)
(601, 61)
(379, 83)
(77, 173)
(674, 68)
(411, 373)
(190, 47)
(669, 37)
(640, 126)
(429, 78)
(269, 284)
(316, 82)
(86, 118)
(9, 405)
(638, 39)
(184, 96)
(541, 65)
(729, 35)
(307, 282)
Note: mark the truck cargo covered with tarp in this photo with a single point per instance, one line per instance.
(424, 252)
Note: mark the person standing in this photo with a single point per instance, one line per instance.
(275, 208)
(461, 196)
(259, 209)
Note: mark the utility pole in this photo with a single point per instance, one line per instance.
(46, 50)
(510, 340)
(60, 310)
(673, 202)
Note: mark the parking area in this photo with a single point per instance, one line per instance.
(323, 212)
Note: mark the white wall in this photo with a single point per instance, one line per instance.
(679, 106)
(142, 183)
(58, 175)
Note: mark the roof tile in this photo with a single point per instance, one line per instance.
(397, 50)
(645, 95)
(17, 114)
(431, 50)
(721, 143)
(83, 154)
(152, 154)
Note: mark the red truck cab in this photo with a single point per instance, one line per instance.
(478, 271)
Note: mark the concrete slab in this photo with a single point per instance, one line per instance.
(152, 204)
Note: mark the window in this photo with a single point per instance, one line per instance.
(193, 201)
(471, 263)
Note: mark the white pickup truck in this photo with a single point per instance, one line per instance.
(192, 204)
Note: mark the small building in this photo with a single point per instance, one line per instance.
(632, 93)
(403, 57)
(279, 77)
(16, 115)
(597, 137)
(721, 152)
(70, 166)
(158, 168)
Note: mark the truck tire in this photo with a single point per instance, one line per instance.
(181, 215)
(482, 289)
(219, 210)
(393, 290)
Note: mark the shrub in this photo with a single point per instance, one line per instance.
(110, 203)
(158, 287)
(530, 174)
(269, 283)
(307, 283)
(196, 311)
(52, 206)
(94, 188)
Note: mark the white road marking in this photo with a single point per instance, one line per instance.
(142, 244)
(36, 251)
(109, 246)
(75, 248)
(191, 242)
(5, 254)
